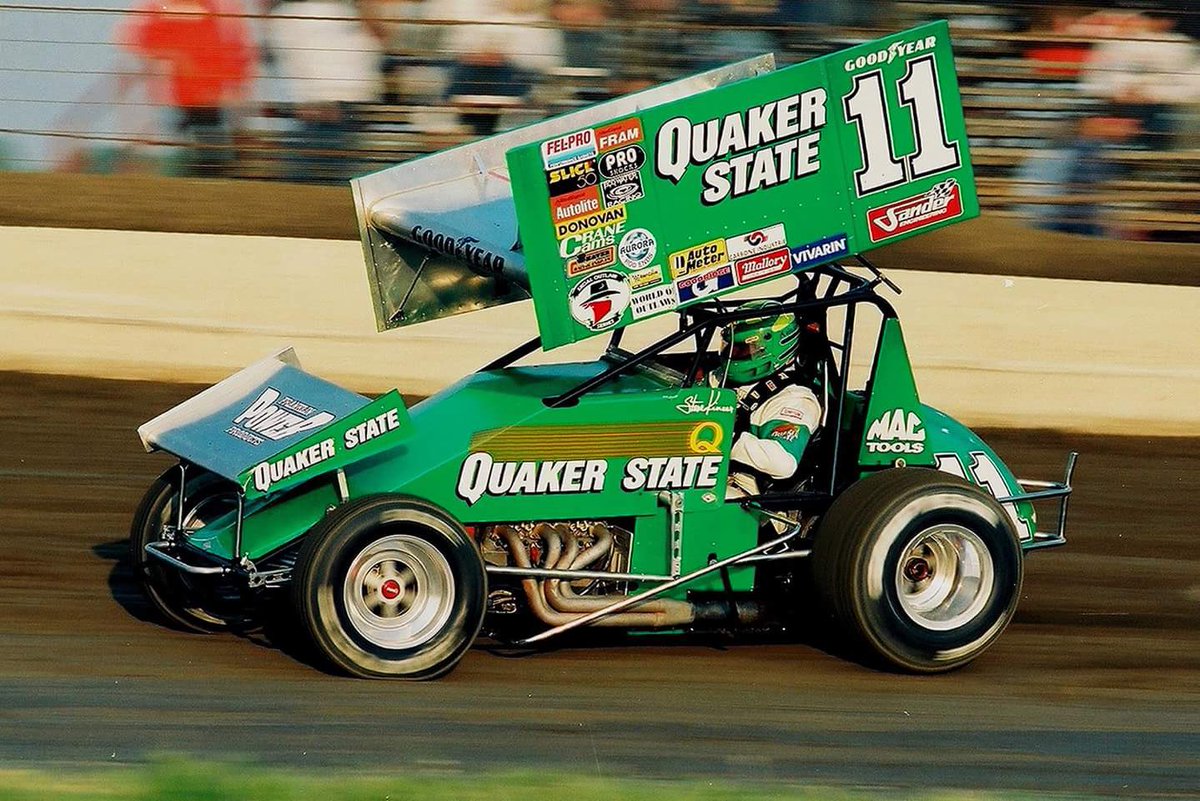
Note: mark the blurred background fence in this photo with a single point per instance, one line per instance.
(1083, 119)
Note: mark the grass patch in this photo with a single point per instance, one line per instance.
(172, 779)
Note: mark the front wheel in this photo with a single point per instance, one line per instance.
(390, 587)
(918, 568)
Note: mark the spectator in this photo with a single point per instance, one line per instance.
(497, 62)
(329, 59)
(207, 53)
(736, 30)
(649, 47)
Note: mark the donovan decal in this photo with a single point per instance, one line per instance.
(590, 222)
(748, 150)
(599, 300)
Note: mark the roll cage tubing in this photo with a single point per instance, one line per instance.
(703, 321)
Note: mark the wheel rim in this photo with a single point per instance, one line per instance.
(399, 592)
(945, 577)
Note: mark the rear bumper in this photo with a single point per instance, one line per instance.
(1047, 491)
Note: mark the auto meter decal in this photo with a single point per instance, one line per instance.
(698, 258)
(638, 248)
(598, 301)
(941, 202)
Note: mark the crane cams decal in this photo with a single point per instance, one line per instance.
(756, 148)
(941, 202)
(464, 249)
(896, 431)
(569, 149)
(481, 475)
(602, 236)
(598, 301)
(275, 416)
(637, 249)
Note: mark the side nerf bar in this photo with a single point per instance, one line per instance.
(1047, 490)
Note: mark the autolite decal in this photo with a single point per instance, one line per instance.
(275, 416)
(941, 202)
(568, 149)
(575, 204)
(754, 242)
(743, 152)
(765, 265)
(482, 475)
(618, 134)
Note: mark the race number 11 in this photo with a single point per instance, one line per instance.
(866, 107)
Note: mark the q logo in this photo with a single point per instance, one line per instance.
(706, 438)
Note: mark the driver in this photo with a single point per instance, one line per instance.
(778, 412)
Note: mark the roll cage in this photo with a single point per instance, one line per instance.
(811, 298)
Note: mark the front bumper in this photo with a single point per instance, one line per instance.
(1043, 491)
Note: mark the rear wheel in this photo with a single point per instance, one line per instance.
(390, 587)
(205, 604)
(919, 569)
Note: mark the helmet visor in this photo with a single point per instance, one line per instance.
(741, 351)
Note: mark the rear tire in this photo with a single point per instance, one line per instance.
(919, 569)
(390, 587)
(187, 602)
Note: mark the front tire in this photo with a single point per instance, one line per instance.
(920, 570)
(390, 587)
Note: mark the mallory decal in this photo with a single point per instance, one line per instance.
(598, 301)
(764, 265)
(275, 416)
(941, 202)
(464, 249)
(743, 152)
(822, 250)
(896, 432)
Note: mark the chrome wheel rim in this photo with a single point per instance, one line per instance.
(399, 592)
(945, 577)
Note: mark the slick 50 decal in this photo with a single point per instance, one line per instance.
(572, 178)
(481, 475)
(896, 432)
(941, 202)
(743, 152)
(463, 249)
(275, 416)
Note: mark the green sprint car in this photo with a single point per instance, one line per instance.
(532, 500)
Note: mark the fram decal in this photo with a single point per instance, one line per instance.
(941, 202)
(619, 162)
(589, 222)
(568, 149)
(598, 301)
(574, 204)
(653, 301)
(745, 151)
(820, 251)
(764, 265)
(698, 258)
(591, 260)
(757, 241)
(572, 178)
(896, 431)
(275, 416)
(706, 284)
(618, 134)
(622, 189)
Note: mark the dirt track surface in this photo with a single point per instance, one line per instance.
(1096, 686)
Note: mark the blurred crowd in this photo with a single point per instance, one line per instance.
(1066, 102)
